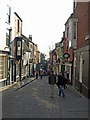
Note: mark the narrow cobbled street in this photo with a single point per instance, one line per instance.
(33, 101)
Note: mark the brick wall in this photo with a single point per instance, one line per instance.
(81, 12)
(71, 54)
(66, 44)
(84, 86)
(89, 21)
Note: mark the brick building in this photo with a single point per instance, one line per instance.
(81, 70)
(70, 43)
(60, 51)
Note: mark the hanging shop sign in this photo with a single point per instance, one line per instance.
(66, 55)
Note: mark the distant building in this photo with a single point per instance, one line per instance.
(70, 43)
(59, 52)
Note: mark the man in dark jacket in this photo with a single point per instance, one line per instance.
(52, 82)
(61, 83)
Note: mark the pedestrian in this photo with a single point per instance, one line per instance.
(52, 82)
(41, 74)
(33, 72)
(65, 77)
(36, 74)
(68, 80)
(60, 84)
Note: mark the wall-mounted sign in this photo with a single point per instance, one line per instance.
(66, 55)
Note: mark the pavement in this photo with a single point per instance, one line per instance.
(20, 84)
(31, 99)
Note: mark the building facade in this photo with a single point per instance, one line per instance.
(5, 38)
(70, 44)
(82, 53)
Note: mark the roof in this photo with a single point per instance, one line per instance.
(26, 48)
(71, 16)
(17, 16)
(24, 37)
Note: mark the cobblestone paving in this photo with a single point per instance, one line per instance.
(33, 101)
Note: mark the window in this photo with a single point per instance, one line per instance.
(8, 14)
(67, 32)
(3, 67)
(75, 3)
(70, 43)
(18, 48)
(18, 26)
(7, 37)
(75, 30)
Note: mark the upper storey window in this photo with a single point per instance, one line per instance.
(8, 14)
(75, 30)
(75, 4)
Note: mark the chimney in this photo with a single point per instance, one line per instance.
(30, 37)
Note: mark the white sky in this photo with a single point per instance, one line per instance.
(44, 20)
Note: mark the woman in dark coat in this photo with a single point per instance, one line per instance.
(60, 84)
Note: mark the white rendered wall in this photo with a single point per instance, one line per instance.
(3, 19)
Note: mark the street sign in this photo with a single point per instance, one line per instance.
(66, 55)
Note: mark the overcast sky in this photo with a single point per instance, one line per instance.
(44, 20)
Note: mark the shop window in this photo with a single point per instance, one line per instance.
(3, 67)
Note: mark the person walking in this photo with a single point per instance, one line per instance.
(41, 73)
(65, 77)
(60, 84)
(36, 74)
(52, 82)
